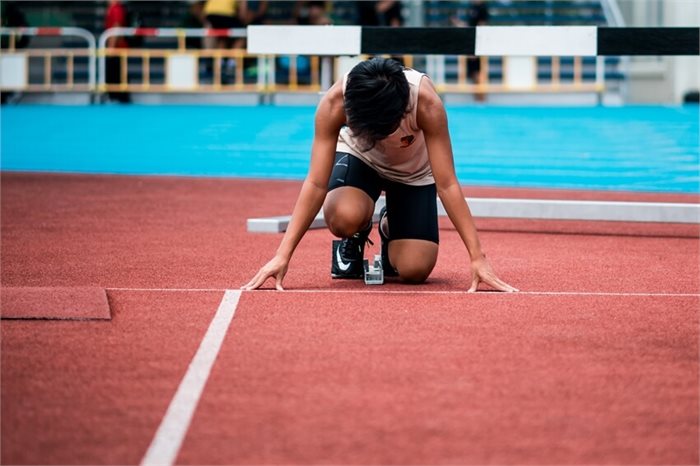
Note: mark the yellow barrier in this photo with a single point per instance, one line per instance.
(180, 69)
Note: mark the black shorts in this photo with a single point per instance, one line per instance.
(224, 22)
(411, 210)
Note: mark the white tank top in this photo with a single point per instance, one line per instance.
(403, 155)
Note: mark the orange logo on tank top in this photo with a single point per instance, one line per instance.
(407, 140)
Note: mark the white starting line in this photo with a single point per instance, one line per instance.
(378, 290)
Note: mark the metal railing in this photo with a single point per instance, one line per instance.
(15, 62)
(560, 75)
(177, 67)
(180, 65)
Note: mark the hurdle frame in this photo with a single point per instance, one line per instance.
(486, 41)
(539, 209)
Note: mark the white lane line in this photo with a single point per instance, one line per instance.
(429, 292)
(172, 430)
(493, 293)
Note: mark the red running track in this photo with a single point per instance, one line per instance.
(605, 373)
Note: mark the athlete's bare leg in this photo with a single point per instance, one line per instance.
(413, 259)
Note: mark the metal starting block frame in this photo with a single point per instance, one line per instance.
(374, 273)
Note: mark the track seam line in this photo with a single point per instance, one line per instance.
(168, 439)
(426, 292)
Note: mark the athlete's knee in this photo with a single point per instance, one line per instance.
(344, 221)
(414, 260)
(415, 269)
(347, 210)
(414, 273)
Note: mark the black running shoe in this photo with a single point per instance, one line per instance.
(389, 271)
(349, 253)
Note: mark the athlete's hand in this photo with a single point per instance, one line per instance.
(482, 272)
(276, 268)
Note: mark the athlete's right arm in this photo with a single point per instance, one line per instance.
(330, 117)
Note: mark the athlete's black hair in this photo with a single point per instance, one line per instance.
(376, 99)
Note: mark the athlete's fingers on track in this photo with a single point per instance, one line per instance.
(257, 280)
(278, 281)
(247, 285)
(250, 283)
(503, 286)
(500, 284)
(511, 289)
(493, 281)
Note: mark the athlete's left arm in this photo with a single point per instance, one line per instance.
(432, 119)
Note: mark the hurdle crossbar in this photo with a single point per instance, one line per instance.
(544, 209)
(476, 41)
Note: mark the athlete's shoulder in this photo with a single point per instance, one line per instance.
(429, 101)
(334, 95)
(331, 108)
(427, 91)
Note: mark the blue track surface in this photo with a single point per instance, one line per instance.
(621, 148)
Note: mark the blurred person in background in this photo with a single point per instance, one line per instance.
(476, 14)
(307, 13)
(12, 17)
(226, 14)
(381, 13)
(116, 16)
(314, 13)
(194, 19)
(257, 12)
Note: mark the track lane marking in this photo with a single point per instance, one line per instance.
(168, 439)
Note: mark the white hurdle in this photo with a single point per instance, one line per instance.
(543, 209)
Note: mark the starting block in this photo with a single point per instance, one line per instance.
(374, 273)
